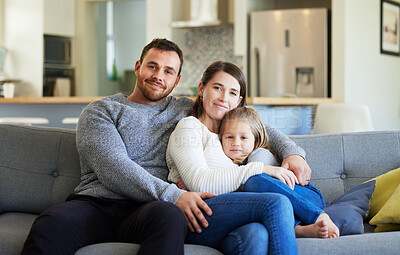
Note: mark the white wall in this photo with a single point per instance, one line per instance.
(85, 48)
(23, 37)
(1, 21)
(360, 73)
(158, 19)
(59, 17)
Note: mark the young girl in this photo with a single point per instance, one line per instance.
(244, 139)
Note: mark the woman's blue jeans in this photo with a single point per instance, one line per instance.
(307, 201)
(249, 223)
(251, 238)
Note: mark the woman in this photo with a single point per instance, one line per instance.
(223, 88)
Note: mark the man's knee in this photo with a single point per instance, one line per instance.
(166, 214)
(67, 227)
(45, 234)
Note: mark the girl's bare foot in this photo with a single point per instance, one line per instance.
(333, 230)
(322, 228)
(317, 230)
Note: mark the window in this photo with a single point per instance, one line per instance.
(110, 58)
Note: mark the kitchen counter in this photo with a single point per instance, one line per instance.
(48, 100)
(290, 115)
(251, 100)
(284, 101)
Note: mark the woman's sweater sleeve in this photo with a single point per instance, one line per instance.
(199, 160)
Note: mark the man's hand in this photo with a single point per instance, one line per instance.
(299, 167)
(190, 204)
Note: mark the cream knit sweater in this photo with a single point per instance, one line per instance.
(195, 154)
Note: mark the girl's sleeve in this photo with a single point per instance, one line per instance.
(264, 156)
(186, 154)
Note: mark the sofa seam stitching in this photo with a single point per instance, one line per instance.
(57, 168)
(343, 163)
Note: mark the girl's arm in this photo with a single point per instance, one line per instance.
(197, 156)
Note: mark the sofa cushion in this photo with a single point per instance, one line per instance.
(130, 249)
(348, 211)
(341, 161)
(374, 243)
(387, 227)
(41, 166)
(386, 184)
(390, 212)
(14, 228)
(386, 201)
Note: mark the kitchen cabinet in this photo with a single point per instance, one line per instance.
(59, 17)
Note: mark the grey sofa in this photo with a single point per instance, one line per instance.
(39, 167)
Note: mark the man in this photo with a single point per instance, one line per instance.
(123, 195)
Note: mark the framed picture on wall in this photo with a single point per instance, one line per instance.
(390, 37)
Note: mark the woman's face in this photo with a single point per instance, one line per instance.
(220, 95)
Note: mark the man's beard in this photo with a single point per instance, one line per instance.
(154, 95)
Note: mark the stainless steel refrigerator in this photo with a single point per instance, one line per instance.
(288, 53)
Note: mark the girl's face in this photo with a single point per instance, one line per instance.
(237, 139)
(220, 95)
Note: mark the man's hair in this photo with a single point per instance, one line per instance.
(165, 45)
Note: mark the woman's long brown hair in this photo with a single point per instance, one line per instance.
(227, 67)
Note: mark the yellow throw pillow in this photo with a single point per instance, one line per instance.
(387, 227)
(390, 212)
(385, 186)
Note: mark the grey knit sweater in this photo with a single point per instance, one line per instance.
(122, 148)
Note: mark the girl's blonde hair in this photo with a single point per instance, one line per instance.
(256, 124)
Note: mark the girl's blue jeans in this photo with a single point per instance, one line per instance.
(249, 223)
(307, 201)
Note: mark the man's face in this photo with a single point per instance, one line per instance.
(157, 76)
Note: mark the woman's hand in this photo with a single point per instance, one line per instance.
(281, 174)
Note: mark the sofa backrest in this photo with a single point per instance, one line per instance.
(340, 161)
(39, 167)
